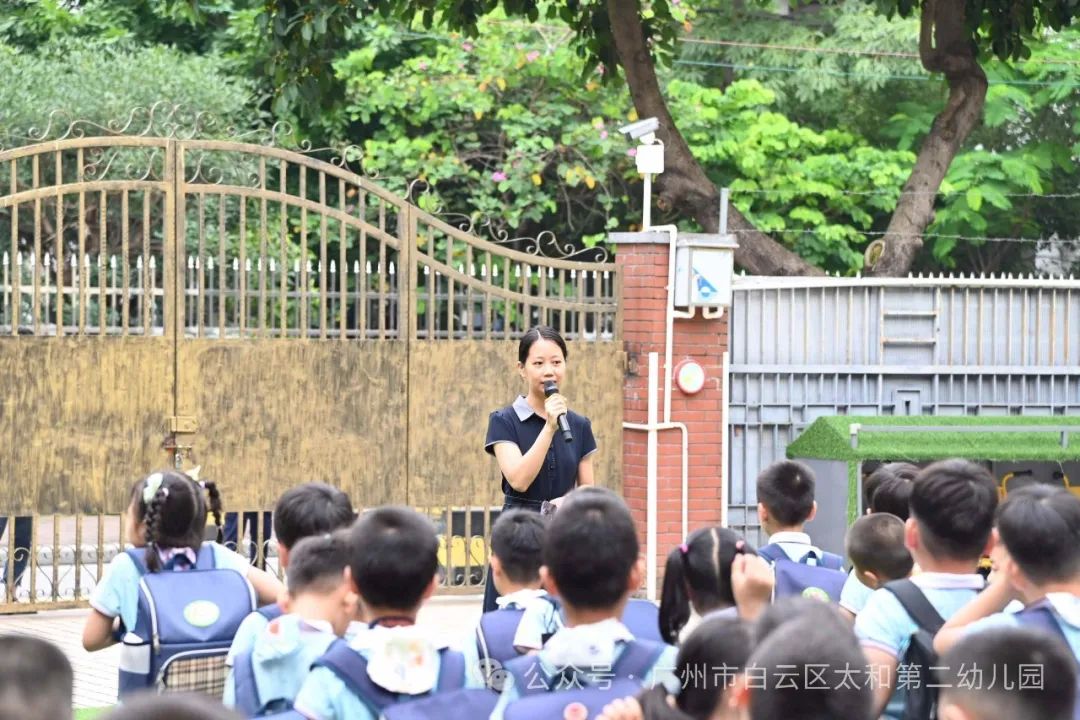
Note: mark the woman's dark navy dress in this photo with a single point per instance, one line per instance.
(518, 424)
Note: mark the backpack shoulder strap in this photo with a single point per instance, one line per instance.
(246, 691)
(831, 561)
(1041, 615)
(496, 628)
(138, 557)
(916, 605)
(451, 670)
(772, 552)
(351, 667)
(271, 612)
(636, 659)
(519, 668)
(206, 559)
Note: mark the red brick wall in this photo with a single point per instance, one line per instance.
(644, 270)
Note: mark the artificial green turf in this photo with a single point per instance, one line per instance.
(829, 438)
(89, 713)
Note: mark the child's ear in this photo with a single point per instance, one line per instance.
(283, 556)
(813, 512)
(350, 581)
(547, 581)
(872, 580)
(762, 513)
(911, 534)
(637, 575)
(496, 566)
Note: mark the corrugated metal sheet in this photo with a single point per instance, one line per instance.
(806, 347)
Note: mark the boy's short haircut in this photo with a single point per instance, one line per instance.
(793, 671)
(310, 509)
(1040, 526)
(886, 472)
(393, 556)
(791, 608)
(786, 489)
(591, 548)
(178, 706)
(953, 502)
(317, 564)
(517, 539)
(36, 679)
(875, 543)
(893, 496)
(1007, 650)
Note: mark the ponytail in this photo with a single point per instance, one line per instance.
(674, 599)
(214, 506)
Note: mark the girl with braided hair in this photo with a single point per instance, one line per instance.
(166, 516)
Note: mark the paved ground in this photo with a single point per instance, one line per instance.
(95, 674)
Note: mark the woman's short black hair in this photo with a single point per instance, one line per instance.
(540, 332)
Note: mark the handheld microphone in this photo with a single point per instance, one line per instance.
(550, 388)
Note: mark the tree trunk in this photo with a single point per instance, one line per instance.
(684, 185)
(945, 47)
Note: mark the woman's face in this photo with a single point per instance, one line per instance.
(545, 362)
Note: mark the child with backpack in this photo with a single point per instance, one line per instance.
(306, 510)
(319, 608)
(1003, 654)
(591, 563)
(887, 490)
(875, 547)
(785, 492)
(697, 576)
(517, 539)
(173, 597)
(1037, 561)
(952, 511)
(393, 566)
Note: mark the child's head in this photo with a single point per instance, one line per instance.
(698, 574)
(709, 661)
(172, 706)
(794, 670)
(36, 679)
(591, 551)
(882, 473)
(517, 544)
(318, 588)
(785, 492)
(875, 546)
(393, 558)
(1048, 693)
(952, 513)
(310, 509)
(168, 510)
(893, 496)
(1040, 529)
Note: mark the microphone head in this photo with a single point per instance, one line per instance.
(550, 388)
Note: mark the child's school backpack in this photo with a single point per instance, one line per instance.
(495, 638)
(185, 624)
(642, 618)
(544, 696)
(1041, 616)
(823, 578)
(920, 658)
(351, 667)
(246, 693)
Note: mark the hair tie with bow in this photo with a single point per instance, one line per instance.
(153, 484)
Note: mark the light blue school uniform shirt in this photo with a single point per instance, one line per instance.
(325, 696)
(117, 595)
(520, 600)
(1065, 607)
(854, 595)
(885, 625)
(592, 650)
(281, 657)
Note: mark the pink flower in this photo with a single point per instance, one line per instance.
(467, 47)
(600, 69)
(498, 176)
(632, 152)
(423, 65)
(603, 134)
(532, 56)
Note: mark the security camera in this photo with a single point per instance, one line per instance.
(641, 130)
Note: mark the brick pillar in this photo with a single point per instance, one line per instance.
(642, 259)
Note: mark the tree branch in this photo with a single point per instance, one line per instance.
(684, 185)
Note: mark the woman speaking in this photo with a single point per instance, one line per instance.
(539, 462)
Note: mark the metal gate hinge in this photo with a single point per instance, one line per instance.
(182, 425)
